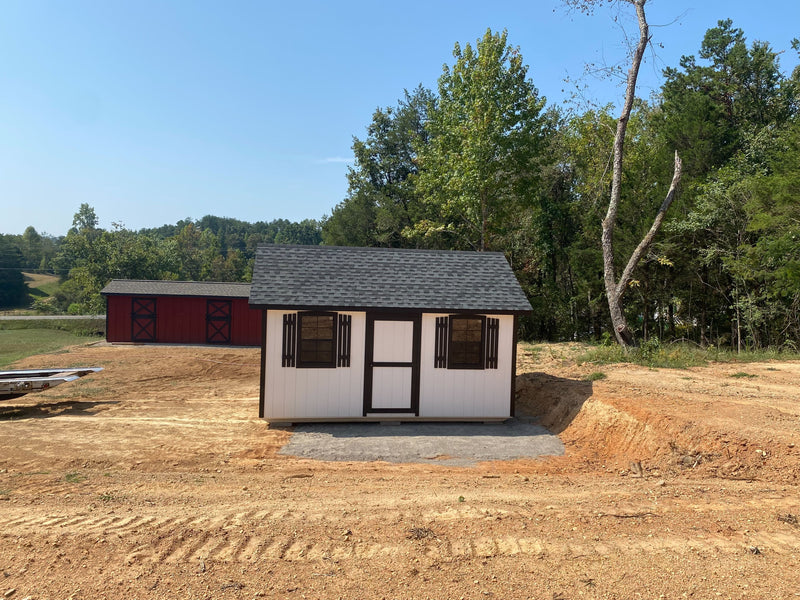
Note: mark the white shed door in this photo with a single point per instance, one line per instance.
(392, 373)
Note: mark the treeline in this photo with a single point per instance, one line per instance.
(88, 257)
(484, 163)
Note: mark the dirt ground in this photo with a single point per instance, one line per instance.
(156, 479)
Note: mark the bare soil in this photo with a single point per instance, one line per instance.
(156, 479)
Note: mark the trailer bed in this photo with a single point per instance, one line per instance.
(20, 382)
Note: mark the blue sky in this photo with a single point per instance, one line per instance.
(156, 111)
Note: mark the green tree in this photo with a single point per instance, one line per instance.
(32, 247)
(85, 220)
(725, 112)
(381, 200)
(306, 232)
(486, 133)
(13, 289)
(711, 107)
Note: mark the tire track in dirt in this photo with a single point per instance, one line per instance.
(244, 537)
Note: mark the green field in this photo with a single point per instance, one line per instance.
(19, 343)
(19, 339)
(41, 284)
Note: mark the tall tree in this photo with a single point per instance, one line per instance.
(615, 288)
(381, 199)
(485, 134)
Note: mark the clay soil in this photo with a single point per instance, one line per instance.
(156, 479)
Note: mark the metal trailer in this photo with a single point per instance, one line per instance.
(18, 383)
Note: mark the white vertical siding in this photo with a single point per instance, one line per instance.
(466, 393)
(292, 393)
(313, 393)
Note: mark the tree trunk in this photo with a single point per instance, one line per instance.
(615, 289)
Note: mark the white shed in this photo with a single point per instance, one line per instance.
(359, 334)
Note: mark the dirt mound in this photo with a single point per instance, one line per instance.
(735, 428)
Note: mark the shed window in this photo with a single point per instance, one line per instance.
(316, 340)
(466, 342)
(465, 347)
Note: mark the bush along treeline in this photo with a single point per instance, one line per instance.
(484, 163)
(88, 257)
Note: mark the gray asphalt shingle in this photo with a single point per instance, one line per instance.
(384, 278)
(148, 287)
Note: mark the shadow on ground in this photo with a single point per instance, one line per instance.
(52, 409)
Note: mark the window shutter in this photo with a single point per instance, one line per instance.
(492, 346)
(344, 341)
(289, 339)
(440, 352)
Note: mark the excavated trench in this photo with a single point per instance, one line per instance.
(600, 425)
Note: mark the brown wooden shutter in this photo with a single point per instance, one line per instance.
(440, 351)
(343, 353)
(289, 340)
(492, 346)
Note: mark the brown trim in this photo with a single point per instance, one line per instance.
(440, 344)
(369, 349)
(344, 343)
(492, 343)
(416, 352)
(263, 383)
(288, 350)
(392, 364)
(512, 408)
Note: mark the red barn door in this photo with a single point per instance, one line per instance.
(143, 320)
(218, 322)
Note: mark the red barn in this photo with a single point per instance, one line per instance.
(181, 312)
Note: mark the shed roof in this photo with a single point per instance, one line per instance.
(335, 277)
(144, 287)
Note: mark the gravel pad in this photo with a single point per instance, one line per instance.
(452, 444)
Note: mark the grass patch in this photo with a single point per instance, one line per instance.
(529, 350)
(74, 478)
(42, 285)
(596, 376)
(16, 344)
(84, 327)
(112, 496)
(742, 374)
(677, 355)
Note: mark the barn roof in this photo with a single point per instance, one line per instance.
(334, 277)
(142, 287)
